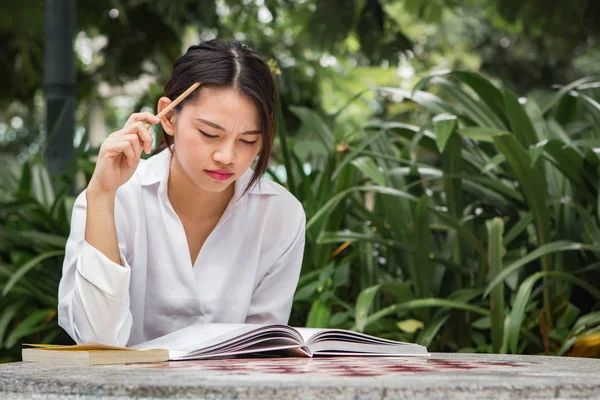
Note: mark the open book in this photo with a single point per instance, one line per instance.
(203, 341)
(225, 340)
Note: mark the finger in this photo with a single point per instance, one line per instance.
(142, 117)
(123, 147)
(144, 134)
(136, 144)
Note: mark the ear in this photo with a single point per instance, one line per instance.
(167, 121)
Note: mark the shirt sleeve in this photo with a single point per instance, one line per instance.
(94, 291)
(271, 301)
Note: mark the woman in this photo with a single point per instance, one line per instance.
(192, 234)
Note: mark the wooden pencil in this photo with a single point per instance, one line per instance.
(174, 103)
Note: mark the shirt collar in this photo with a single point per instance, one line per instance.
(156, 170)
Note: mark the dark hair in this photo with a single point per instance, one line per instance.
(225, 64)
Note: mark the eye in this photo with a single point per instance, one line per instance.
(209, 136)
(249, 141)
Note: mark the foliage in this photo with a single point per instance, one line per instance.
(315, 42)
(475, 231)
(35, 212)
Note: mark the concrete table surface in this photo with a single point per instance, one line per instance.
(441, 376)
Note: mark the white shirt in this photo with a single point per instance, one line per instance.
(246, 271)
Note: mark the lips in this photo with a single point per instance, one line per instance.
(219, 175)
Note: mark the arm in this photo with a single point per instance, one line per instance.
(271, 301)
(94, 289)
(93, 293)
(100, 229)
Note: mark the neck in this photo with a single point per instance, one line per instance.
(192, 202)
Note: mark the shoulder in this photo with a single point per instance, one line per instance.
(281, 202)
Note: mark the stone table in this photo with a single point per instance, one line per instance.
(441, 376)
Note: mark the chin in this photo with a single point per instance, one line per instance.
(215, 186)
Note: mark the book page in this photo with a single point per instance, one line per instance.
(337, 341)
(364, 348)
(260, 346)
(198, 337)
(215, 339)
(77, 347)
(308, 333)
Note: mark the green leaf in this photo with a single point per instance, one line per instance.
(407, 133)
(424, 303)
(363, 304)
(568, 317)
(425, 81)
(521, 125)
(486, 91)
(410, 325)
(325, 210)
(319, 314)
(355, 151)
(39, 237)
(27, 267)
(41, 185)
(473, 108)
(346, 236)
(10, 173)
(593, 106)
(482, 134)
(482, 323)
(464, 233)
(493, 163)
(25, 182)
(572, 165)
(495, 228)
(565, 90)
(586, 321)
(28, 326)
(398, 291)
(536, 152)
(305, 292)
(531, 181)
(315, 125)
(522, 224)
(586, 143)
(7, 316)
(443, 126)
(453, 166)
(549, 248)
(368, 167)
(423, 273)
(285, 147)
(522, 300)
(431, 329)
(338, 319)
(428, 101)
(327, 207)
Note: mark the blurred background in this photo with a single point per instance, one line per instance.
(445, 152)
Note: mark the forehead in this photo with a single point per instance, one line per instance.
(223, 105)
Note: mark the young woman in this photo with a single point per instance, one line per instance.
(192, 234)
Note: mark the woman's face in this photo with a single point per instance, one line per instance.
(216, 137)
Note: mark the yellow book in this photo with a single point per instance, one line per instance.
(91, 354)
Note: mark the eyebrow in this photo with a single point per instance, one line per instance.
(219, 127)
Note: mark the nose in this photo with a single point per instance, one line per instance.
(225, 154)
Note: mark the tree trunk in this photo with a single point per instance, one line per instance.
(59, 83)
